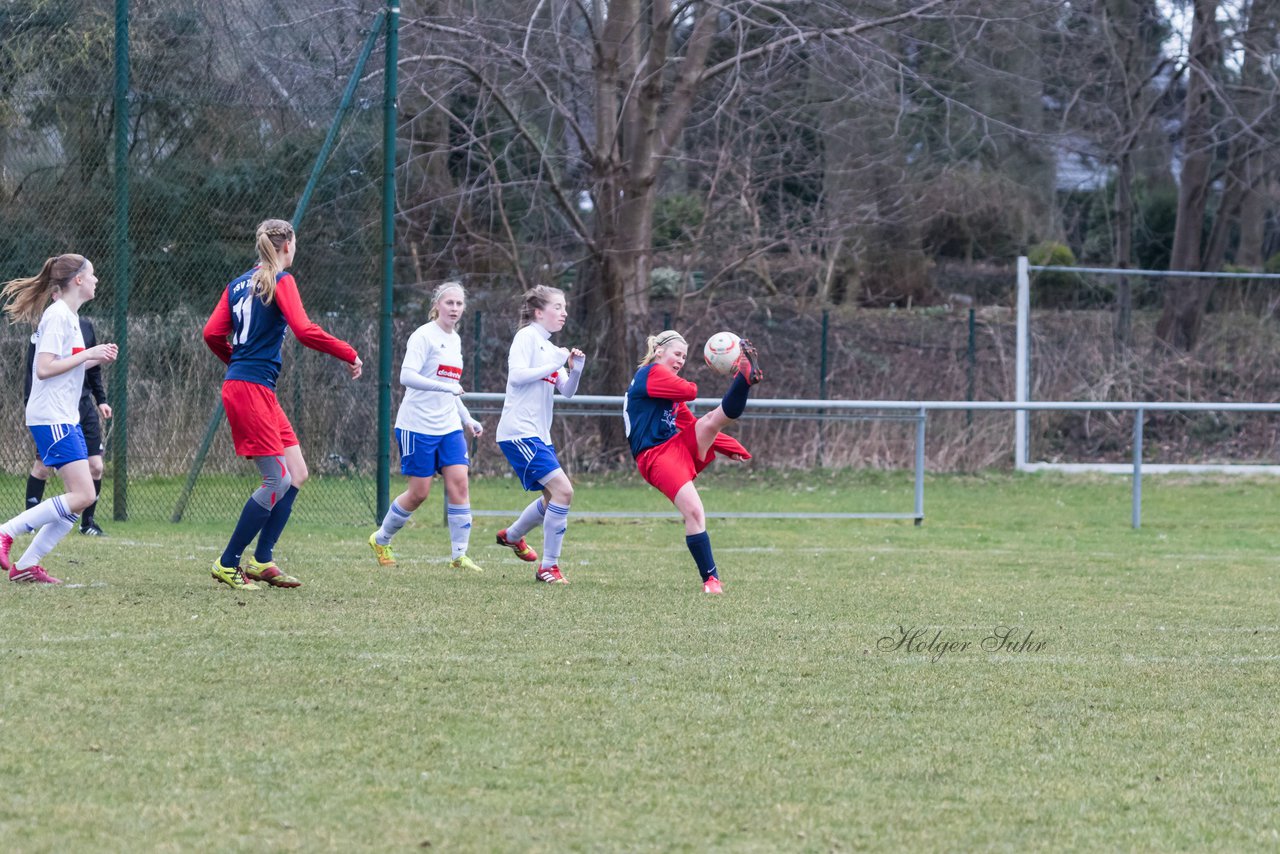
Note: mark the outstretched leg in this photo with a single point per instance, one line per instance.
(734, 401)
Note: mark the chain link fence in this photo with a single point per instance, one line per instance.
(229, 104)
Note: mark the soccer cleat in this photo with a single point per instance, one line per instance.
(91, 529)
(749, 363)
(32, 575)
(712, 585)
(550, 575)
(233, 577)
(269, 573)
(521, 548)
(464, 562)
(381, 552)
(6, 543)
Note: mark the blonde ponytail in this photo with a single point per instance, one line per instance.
(273, 234)
(25, 299)
(658, 341)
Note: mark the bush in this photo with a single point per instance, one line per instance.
(665, 282)
(1053, 288)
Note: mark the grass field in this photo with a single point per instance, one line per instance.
(842, 695)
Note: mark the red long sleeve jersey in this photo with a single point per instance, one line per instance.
(246, 333)
(655, 410)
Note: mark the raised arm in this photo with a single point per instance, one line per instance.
(663, 384)
(307, 332)
(568, 384)
(412, 379)
(520, 372)
(49, 365)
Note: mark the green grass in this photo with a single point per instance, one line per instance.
(384, 710)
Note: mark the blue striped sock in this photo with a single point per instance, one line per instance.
(395, 519)
(459, 528)
(554, 524)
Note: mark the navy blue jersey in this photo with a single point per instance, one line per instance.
(246, 332)
(257, 333)
(654, 400)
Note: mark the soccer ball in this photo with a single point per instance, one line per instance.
(722, 352)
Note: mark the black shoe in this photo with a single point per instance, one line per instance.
(92, 530)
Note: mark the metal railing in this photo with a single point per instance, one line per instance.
(818, 410)
(917, 411)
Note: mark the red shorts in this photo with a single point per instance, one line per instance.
(669, 466)
(259, 427)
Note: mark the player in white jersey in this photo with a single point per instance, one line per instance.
(53, 408)
(536, 369)
(429, 428)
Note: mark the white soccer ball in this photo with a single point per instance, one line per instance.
(722, 352)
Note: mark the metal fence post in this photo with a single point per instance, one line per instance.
(1137, 469)
(822, 387)
(1021, 360)
(124, 273)
(389, 125)
(971, 364)
(919, 520)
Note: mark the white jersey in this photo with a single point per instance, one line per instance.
(432, 374)
(57, 399)
(535, 369)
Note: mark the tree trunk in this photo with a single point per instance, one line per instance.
(1186, 299)
(1123, 332)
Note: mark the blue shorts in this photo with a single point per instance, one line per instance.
(59, 444)
(422, 455)
(531, 460)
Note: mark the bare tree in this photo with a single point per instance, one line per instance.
(561, 127)
(1219, 114)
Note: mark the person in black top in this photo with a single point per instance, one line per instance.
(93, 403)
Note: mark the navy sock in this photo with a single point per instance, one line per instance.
(35, 491)
(86, 516)
(252, 518)
(700, 547)
(735, 399)
(275, 526)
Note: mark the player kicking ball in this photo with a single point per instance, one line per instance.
(671, 447)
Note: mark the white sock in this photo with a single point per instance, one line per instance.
(553, 528)
(37, 517)
(45, 540)
(459, 528)
(394, 521)
(530, 517)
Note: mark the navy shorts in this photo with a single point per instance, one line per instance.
(91, 424)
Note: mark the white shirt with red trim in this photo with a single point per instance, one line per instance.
(536, 369)
(57, 399)
(435, 356)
